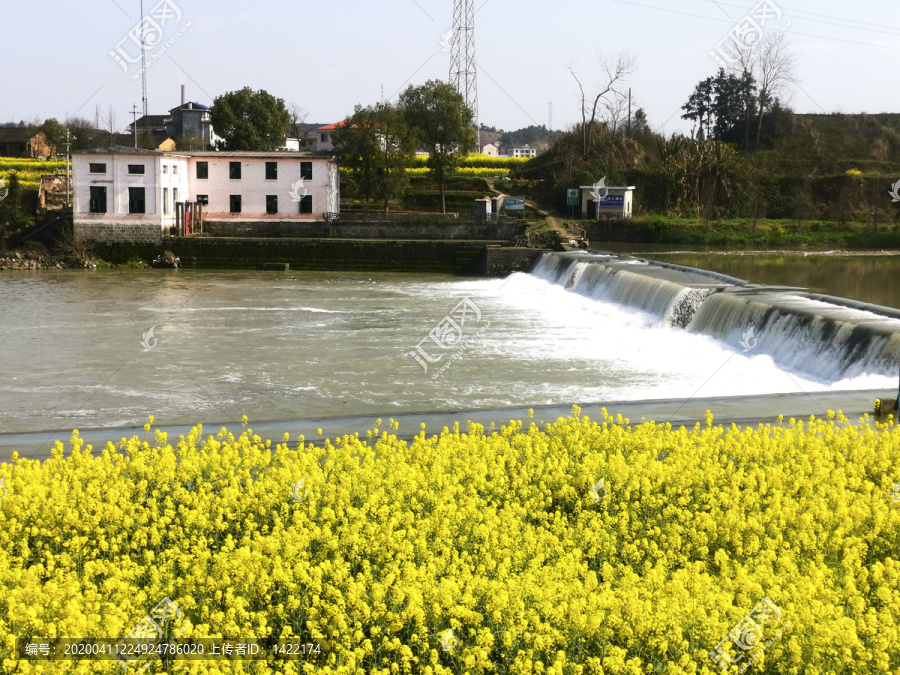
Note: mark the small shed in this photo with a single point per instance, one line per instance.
(614, 202)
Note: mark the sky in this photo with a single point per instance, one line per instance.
(329, 56)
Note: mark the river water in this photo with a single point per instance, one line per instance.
(76, 348)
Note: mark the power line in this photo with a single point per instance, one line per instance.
(710, 18)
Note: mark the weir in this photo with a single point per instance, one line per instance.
(826, 338)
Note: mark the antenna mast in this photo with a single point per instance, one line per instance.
(144, 66)
(463, 69)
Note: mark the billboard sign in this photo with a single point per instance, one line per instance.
(515, 203)
(612, 201)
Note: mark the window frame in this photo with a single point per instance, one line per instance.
(132, 192)
(306, 200)
(232, 202)
(132, 167)
(270, 199)
(205, 166)
(274, 174)
(92, 166)
(306, 170)
(234, 168)
(93, 201)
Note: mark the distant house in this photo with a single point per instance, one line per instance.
(191, 119)
(322, 137)
(525, 151)
(152, 125)
(490, 150)
(128, 194)
(16, 142)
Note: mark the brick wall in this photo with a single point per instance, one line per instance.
(117, 233)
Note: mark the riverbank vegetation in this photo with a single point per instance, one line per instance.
(581, 547)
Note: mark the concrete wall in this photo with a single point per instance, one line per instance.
(501, 262)
(351, 230)
(454, 257)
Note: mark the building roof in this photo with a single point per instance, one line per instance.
(331, 127)
(251, 153)
(281, 154)
(190, 105)
(12, 134)
(117, 150)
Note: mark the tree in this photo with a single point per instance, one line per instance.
(438, 117)
(297, 115)
(640, 127)
(376, 145)
(54, 135)
(774, 66)
(699, 106)
(615, 72)
(250, 120)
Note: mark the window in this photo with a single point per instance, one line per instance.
(271, 204)
(306, 170)
(175, 195)
(202, 170)
(271, 170)
(98, 199)
(234, 170)
(165, 201)
(136, 169)
(235, 201)
(174, 168)
(98, 168)
(165, 168)
(203, 199)
(306, 204)
(136, 200)
(324, 138)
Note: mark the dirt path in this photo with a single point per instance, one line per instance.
(550, 222)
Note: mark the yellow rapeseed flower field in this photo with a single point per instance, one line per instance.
(584, 547)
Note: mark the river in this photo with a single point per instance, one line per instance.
(77, 349)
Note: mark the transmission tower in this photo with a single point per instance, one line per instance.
(463, 69)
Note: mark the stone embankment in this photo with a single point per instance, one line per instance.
(17, 260)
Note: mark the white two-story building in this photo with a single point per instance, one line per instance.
(126, 194)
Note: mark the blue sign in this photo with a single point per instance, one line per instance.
(515, 203)
(612, 200)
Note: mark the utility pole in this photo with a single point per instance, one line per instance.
(134, 122)
(629, 111)
(68, 172)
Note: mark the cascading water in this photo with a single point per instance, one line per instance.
(828, 339)
(656, 290)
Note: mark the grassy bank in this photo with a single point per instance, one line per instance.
(771, 234)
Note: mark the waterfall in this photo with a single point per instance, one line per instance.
(826, 338)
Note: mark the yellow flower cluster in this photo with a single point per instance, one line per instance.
(580, 548)
(28, 171)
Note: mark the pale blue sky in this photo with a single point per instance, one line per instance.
(328, 56)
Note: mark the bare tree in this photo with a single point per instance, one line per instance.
(773, 67)
(615, 72)
(615, 109)
(110, 122)
(298, 115)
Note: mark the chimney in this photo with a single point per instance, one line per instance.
(182, 94)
